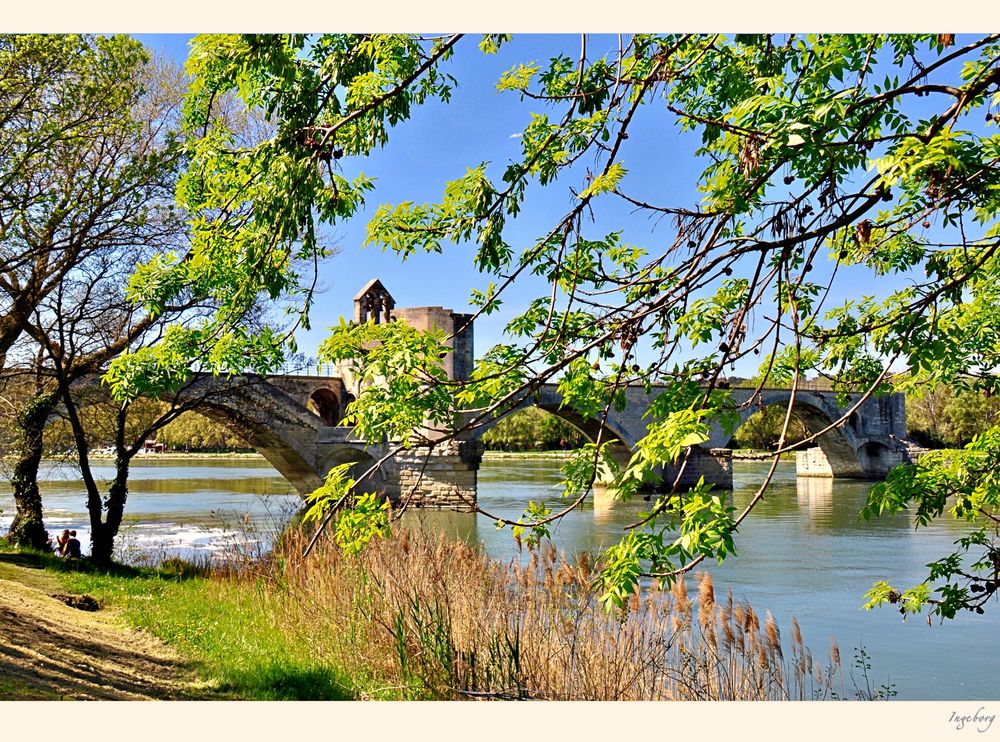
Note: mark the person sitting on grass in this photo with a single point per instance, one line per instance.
(61, 542)
(73, 546)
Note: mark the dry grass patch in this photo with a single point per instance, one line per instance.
(49, 650)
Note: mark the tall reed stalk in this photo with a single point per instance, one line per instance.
(420, 616)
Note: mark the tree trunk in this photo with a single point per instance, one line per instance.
(103, 533)
(102, 544)
(27, 528)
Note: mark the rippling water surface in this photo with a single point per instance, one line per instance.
(803, 551)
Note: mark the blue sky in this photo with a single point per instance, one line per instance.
(480, 124)
(438, 144)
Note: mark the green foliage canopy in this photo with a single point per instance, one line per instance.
(818, 153)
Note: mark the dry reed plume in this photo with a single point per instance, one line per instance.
(420, 616)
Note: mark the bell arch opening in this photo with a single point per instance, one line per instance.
(325, 404)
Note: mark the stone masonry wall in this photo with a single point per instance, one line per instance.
(458, 363)
(443, 478)
(446, 477)
(715, 465)
(812, 462)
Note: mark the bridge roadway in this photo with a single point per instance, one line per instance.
(293, 422)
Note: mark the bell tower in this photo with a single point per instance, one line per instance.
(373, 301)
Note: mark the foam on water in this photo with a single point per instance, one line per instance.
(146, 543)
(192, 510)
(154, 542)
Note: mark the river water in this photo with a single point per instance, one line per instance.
(803, 551)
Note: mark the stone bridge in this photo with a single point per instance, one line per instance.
(870, 442)
(293, 421)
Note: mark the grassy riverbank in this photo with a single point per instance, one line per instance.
(51, 650)
(501, 455)
(213, 626)
(743, 454)
(420, 617)
(756, 454)
(488, 455)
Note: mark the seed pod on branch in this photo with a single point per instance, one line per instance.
(750, 155)
(863, 232)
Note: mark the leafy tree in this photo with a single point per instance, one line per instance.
(926, 419)
(820, 156)
(257, 207)
(762, 429)
(97, 413)
(970, 414)
(58, 95)
(86, 166)
(194, 432)
(951, 418)
(531, 428)
(95, 151)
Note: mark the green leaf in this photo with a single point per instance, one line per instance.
(605, 182)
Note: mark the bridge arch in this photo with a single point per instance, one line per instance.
(361, 458)
(292, 423)
(302, 444)
(274, 421)
(550, 401)
(281, 452)
(589, 428)
(841, 446)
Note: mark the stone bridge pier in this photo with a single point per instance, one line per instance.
(871, 441)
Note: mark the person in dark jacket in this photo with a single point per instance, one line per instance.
(73, 546)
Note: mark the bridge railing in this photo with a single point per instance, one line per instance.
(306, 367)
(804, 385)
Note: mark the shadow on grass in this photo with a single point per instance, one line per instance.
(196, 622)
(286, 683)
(15, 690)
(32, 559)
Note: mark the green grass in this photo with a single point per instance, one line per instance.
(14, 690)
(555, 454)
(215, 624)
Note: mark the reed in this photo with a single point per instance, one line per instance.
(418, 616)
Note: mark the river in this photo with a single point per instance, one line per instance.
(803, 551)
